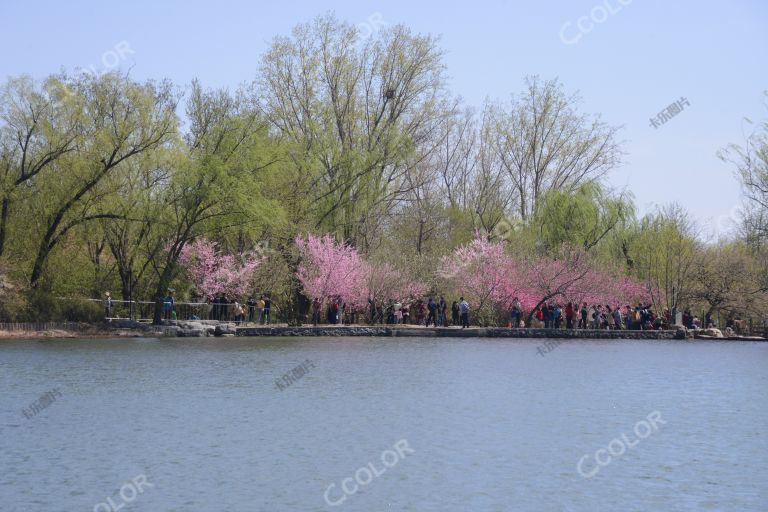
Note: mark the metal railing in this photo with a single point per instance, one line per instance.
(143, 311)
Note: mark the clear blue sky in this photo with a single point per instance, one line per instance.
(642, 57)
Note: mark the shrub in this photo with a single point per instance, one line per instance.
(81, 310)
(44, 307)
(12, 300)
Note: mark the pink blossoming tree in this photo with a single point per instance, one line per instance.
(330, 269)
(485, 276)
(213, 273)
(492, 279)
(387, 284)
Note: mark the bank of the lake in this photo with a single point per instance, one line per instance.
(123, 328)
(442, 332)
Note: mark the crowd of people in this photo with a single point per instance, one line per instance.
(430, 313)
(438, 313)
(596, 316)
(253, 310)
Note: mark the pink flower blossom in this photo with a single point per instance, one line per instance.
(213, 273)
(329, 269)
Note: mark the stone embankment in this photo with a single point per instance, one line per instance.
(476, 332)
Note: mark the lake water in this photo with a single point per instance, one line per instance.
(382, 424)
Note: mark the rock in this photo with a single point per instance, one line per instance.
(194, 325)
(222, 329)
(190, 333)
(715, 333)
(124, 323)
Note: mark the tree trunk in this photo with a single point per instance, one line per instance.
(162, 288)
(40, 259)
(4, 223)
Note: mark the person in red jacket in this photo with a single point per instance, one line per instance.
(569, 316)
(420, 312)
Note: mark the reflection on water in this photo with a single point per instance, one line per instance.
(491, 425)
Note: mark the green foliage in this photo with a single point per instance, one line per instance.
(102, 185)
(12, 298)
(45, 307)
(584, 218)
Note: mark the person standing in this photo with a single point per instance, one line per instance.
(251, 302)
(455, 313)
(316, 311)
(442, 307)
(464, 313)
(239, 313)
(584, 314)
(546, 316)
(333, 312)
(517, 312)
(421, 309)
(168, 305)
(398, 313)
(617, 318)
(260, 309)
(267, 309)
(569, 315)
(432, 315)
(108, 305)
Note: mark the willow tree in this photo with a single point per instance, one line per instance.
(663, 251)
(751, 167)
(211, 185)
(39, 124)
(728, 278)
(121, 119)
(585, 217)
(133, 237)
(355, 110)
(545, 144)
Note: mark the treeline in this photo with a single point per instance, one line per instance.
(105, 180)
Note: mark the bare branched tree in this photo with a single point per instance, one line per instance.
(543, 143)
